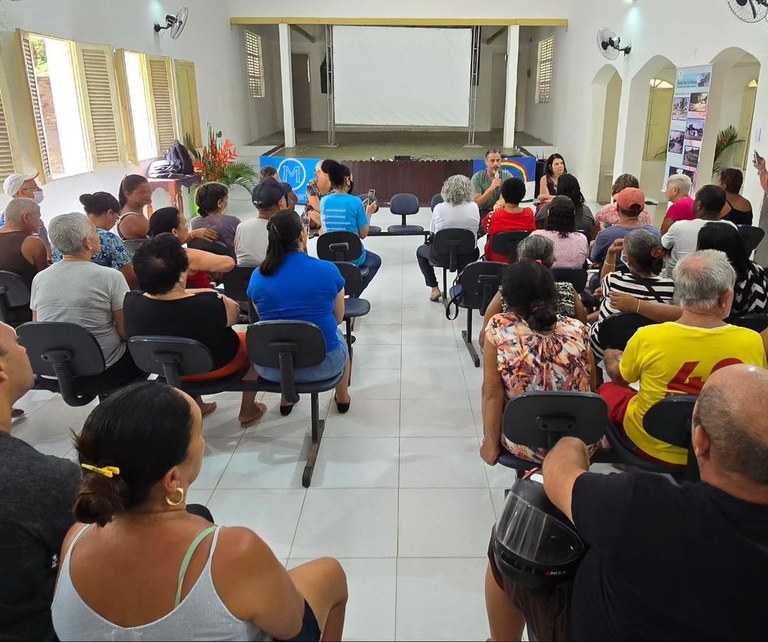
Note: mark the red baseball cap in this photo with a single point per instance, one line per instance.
(628, 197)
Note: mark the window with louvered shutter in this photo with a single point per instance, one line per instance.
(37, 112)
(7, 152)
(253, 65)
(544, 70)
(101, 105)
(163, 102)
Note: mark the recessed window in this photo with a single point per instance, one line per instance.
(544, 70)
(146, 145)
(254, 65)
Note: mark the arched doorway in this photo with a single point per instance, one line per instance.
(606, 96)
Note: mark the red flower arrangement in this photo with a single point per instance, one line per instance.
(212, 160)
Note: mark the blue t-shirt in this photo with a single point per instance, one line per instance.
(301, 289)
(343, 213)
(112, 253)
(605, 239)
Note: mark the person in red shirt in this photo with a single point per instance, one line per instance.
(509, 218)
(678, 190)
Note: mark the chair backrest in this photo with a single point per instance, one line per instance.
(436, 200)
(669, 420)
(505, 243)
(14, 293)
(214, 247)
(131, 245)
(236, 282)
(480, 282)
(540, 419)
(171, 357)
(756, 322)
(577, 278)
(617, 329)
(752, 236)
(451, 243)
(404, 204)
(353, 278)
(339, 246)
(286, 345)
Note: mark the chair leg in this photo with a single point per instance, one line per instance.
(349, 348)
(318, 427)
(467, 336)
(445, 284)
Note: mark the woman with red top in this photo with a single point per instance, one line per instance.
(510, 218)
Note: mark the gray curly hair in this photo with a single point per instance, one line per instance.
(457, 190)
(535, 247)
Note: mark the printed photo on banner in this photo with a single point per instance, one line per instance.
(681, 170)
(676, 138)
(691, 156)
(698, 102)
(680, 108)
(694, 129)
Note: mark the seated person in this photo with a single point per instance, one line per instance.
(22, 251)
(529, 347)
(652, 542)
(642, 254)
(609, 214)
(457, 211)
(36, 512)
(486, 184)
(271, 172)
(683, 236)
(571, 247)
(291, 285)
(212, 200)
(568, 185)
(134, 194)
(133, 528)
(678, 357)
(318, 187)
(169, 220)
(77, 290)
(750, 294)
(166, 308)
(629, 202)
(549, 184)
(101, 209)
(738, 209)
(251, 238)
(681, 204)
(25, 186)
(510, 217)
(343, 211)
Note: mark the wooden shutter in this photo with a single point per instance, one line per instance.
(7, 147)
(124, 98)
(544, 73)
(253, 65)
(162, 101)
(100, 105)
(186, 87)
(36, 110)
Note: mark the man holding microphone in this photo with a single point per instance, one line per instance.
(486, 184)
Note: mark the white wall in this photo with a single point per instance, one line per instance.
(263, 116)
(539, 120)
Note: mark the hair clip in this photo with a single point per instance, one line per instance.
(539, 261)
(107, 471)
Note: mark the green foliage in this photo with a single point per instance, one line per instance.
(40, 55)
(726, 139)
(240, 173)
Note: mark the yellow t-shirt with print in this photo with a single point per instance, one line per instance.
(670, 358)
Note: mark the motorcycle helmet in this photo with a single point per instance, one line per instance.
(535, 544)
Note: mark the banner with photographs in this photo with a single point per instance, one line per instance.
(689, 115)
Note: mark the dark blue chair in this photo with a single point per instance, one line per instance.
(436, 200)
(354, 306)
(617, 329)
(236, 283)
(340, 247)
(505, 243)
(753, 321)
(577, 278)
(14, 298)
(453, 249)
(404, 205)
(752, 236)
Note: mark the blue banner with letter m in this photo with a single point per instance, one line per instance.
(297, 172)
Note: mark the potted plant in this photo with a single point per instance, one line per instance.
(727, 139)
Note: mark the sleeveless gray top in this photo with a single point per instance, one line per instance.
(201, 615)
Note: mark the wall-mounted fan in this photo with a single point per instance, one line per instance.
(175, 23)
(610, 45)
(749, 10)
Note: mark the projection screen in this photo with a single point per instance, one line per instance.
(401, 76)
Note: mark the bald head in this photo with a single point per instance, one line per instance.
(733, 410)
(18, 209)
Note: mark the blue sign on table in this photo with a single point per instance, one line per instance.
(522, 167)
(297, 172)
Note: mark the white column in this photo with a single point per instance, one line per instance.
(510, 102)
(285, 73)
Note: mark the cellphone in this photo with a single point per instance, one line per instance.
(371, 196)
(755, 157)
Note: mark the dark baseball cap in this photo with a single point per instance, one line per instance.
(268, 192)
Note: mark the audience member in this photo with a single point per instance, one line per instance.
(38, 492)
(683, 236)
(643, 255)
(639, 528)
(457, 211)
(251, 238)
(609, 214)
(212, 200)
(549, 184)
(510, 217)
(166, 307)
(25, 186)
(77, 290)
(271, 172)
(677, 358)
(228, 585)
(681, 204)
(102, 210)
(169, 220)
(529, 347)
(738, 209)
(318, 187)
(486, 184)
(134, 194)
(568, 185)
(571, 247)
(343, 211)
(629, 202)
(291, 285)
(750, 294)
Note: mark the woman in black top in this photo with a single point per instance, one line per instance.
(166, 307)
(738, 209)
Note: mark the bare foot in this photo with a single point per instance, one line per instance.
(246, 420)
(206, 408)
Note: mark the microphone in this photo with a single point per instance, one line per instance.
(496, 174)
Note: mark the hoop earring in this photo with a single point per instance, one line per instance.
(181, 499)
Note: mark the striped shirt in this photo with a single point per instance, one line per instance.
(751, 294)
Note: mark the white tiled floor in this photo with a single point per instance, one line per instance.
(399, 492)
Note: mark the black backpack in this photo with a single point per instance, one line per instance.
(179, 159)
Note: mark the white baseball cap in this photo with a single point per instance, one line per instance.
(12, 184)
